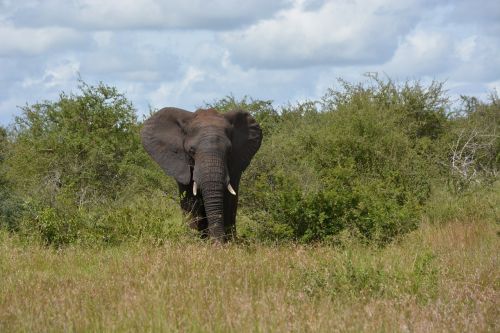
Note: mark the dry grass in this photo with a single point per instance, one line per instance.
(440, 278)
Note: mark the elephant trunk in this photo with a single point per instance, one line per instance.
(213, 184)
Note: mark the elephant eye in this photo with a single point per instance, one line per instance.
(191, 150)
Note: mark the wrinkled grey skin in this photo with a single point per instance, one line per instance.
(210, 149)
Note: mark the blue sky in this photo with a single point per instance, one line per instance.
(186, 53)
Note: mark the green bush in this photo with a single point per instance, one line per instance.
(151, 218)
(79, 169)
(363, 162)
(10, 204)
(83, 145)
(359, 164)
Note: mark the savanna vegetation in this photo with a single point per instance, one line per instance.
(375, 208)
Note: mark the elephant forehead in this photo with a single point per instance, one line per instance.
(209, 118)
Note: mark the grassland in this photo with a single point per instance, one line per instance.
(374, 209)
(442, 277)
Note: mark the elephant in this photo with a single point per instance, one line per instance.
(206, 152)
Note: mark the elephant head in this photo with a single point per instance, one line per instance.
(206, 152)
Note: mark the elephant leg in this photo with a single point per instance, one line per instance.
(230, 208)
(193, 210)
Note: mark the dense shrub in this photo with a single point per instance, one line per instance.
(10, 205)
(81, 146)
(152, 219)
(361, 163)
(80, 169)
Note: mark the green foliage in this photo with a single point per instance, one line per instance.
(81, 171)
(151, 219)
(362, 164)
(10, 204)
(81, 144)
(421, 111)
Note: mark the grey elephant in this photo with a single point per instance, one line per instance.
(206, 152)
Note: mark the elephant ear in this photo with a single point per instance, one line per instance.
(246, 140)
(163, 138)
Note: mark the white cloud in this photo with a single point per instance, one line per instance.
(494, 86)
(467, 11)
(444, 55)
(147, 14)
(483, 62)
(31, 41)
(7, 108)
(465, 48)
(134, 55)
(172, 92)
(422, 53)
(338, 33)
(185, 53)
(55, 76)
(103, 38)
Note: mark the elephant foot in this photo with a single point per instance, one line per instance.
(231, 233)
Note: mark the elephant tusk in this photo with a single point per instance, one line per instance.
(195, 188)
(230, 189)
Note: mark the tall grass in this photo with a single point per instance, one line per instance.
(441, 277)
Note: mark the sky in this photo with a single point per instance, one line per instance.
(192, 52)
